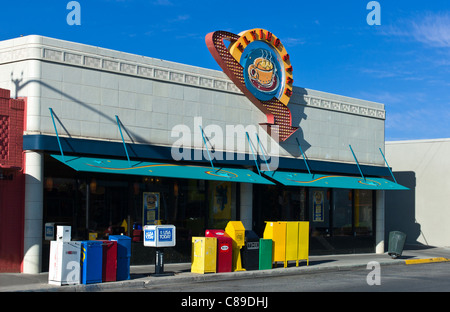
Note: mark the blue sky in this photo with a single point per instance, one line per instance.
(403, 63)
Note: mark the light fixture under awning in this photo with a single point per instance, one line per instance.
(332, 181)
(168, 170)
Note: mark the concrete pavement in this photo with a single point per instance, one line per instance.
(181, 273)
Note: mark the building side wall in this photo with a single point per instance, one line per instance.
(423, 212)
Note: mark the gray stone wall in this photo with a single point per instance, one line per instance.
(88, 86)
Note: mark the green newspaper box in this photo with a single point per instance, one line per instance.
(265, 254)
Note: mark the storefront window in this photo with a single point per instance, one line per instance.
(319, 211)
(278, 203)
(342, 212)
(98, 205)
(62, 198)
(302, 203)
(108, 208)
(191, 209)
(363, 212)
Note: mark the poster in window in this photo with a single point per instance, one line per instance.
(150, 208)
(220, 204)
(318, 206)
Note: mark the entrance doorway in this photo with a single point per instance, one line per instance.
(341, 220)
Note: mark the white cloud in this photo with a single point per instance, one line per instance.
(291, 42)
(163, 2)
(433, 30)
(180, 18)
(420, 123)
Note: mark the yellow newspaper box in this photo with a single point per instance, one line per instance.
(276, 231)
(236, 230)
(303, 241)
(290, 240)
(204, 253)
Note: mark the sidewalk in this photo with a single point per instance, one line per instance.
(181, 273)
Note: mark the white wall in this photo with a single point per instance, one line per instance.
(87, 86)
(424, 212)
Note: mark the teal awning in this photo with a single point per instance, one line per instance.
(332, 181)
(172, 170)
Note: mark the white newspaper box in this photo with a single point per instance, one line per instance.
(63, 233)
(159, 236)
(64, 265)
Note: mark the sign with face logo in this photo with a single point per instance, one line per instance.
(266, 65)
(262, 74)
(258, 64)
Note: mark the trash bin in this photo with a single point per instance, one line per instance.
(250, 251)
(109, 261)
(396, 243)
(123, 256)
(204, 254)
(91, 262)
(224, 250)
(265, 254)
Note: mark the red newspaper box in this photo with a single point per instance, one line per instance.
(224, 250)
(137, 236)
(109, 267)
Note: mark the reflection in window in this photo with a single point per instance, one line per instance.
(220, 204)
(342, 212)
(363, 212)
(191, 210)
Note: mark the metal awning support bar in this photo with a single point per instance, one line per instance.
(56, 131)
(123, 141)
(206, 145)
(254, 157)
(303, 155)
(357, 163)
(262, 150)
(388, 165)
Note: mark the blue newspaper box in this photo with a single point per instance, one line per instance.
(123, 256)
(91, 262)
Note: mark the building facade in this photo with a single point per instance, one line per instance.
(113, 141)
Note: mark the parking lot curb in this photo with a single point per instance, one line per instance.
(142, 279)
(427, 260)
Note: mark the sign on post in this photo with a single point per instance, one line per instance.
(159, 236)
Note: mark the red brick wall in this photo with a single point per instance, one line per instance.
(12, 182)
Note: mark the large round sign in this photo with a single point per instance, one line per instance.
(266, 64)
(258, 64)
(262, 71)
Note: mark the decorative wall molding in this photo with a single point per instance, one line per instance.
(116, 65)
(136, 69)
(344, 107)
